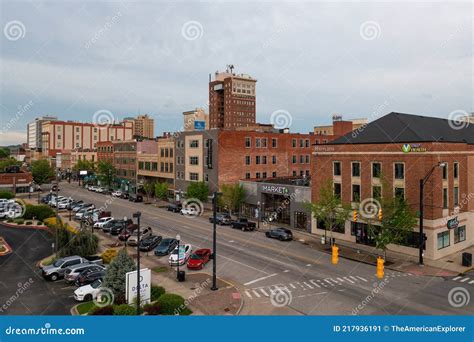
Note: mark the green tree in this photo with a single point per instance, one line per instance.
(9, 161)
(232, 196)
(330, 210)
(161, 190)
(41, 171)
(149, 188)
(83, 243)
(86, 165)
(106, 172)
(198, 190)
(4, 152)
(115, 274)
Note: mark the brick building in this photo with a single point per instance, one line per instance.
(125, 163)
(155, 160)
(105, 151)
(388, 157)
(144, 126)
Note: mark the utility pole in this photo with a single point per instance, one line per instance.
(214, 241)
(137, 216)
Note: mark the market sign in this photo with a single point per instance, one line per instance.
(275, 189)
(131, 286)
(407, 148)
(453, 223)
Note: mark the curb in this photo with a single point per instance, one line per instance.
(74, 311)
(22, 226)
(40, 263)
(8, 248)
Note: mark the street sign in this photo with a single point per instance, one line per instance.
(131, 286)
(199, 125)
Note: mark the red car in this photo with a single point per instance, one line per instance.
(199, 259)
(125, 233)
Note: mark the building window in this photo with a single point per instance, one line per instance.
(355, 193)
(294, 159)
(443, 240)
(377, 192)
(257, 160)
(264, 175)
(337, 190)
(400, 193)
(336, 168)
(456, 196)
(456, 170)
(264, 160)
(248, 142)
(274, 174)
(264, 142)
(445, 171)
(194, 176)
(459, 234)
(355, 169)
(274, 142)
(399, 169)
(194, 160)
(206, 177)
(445, 198)
(257, 175)
(247, 160)
(274, 159)
(247, 175)
(294, 142)
(257, 142)
(294, 173)
(194, 144)
(306, 143)
(376, 170)
(301, 159)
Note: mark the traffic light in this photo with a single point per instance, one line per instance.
(355, 215)
(380, 267)
(380, 214)
(335, 255)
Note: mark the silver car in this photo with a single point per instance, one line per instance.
(133, 239)
(71, 273)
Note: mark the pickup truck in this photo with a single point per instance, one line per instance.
(57, 269)
(243, 224)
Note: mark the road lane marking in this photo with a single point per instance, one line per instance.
(264, 292)
(248, 294)
(308, 265)
(327, 281)
(256, 294)
(314, 283)
(463, 280)
(350, 281)
(363, 279)
(456, 278)
(293, 286)
(471, 282)
(308, 285)
(286, 271)
(259, 279)
(340, 279)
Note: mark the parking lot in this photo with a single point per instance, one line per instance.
(22, 288)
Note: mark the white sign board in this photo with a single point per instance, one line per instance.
(131, 286)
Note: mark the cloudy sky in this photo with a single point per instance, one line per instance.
(313, 59)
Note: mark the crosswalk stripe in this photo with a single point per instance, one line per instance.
(471, 282)
(363, 279)
(463, 280)
(293, 286)
(352, 277)
(256, 293)
(248, 294)
(456, 278)
(314, 283)
(340, 279)
(264, 292)
(329, 282)
(350, 281)
(308, 285)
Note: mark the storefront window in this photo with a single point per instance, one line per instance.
(459, 234)
(443, 239)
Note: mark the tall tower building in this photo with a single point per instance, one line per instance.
(232, 100)
(34, 131)
(144, 126)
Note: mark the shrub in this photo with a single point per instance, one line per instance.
(10, 220)
(19, 221)
(108, 255)
(6, 195)
(124, 310)
(152, 309)
(28, 223)
(156, 292)
(40, 212)
(171, 304)
(103, 311)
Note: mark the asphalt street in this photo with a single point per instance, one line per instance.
(291, 277)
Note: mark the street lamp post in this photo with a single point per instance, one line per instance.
(258, 215)
(178, 237)
(423, 181)
(214, 241)
(137, 215)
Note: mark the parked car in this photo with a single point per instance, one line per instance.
(101, 222)
(184, 254)
(125, 233)
(135, 198)
(92, 188)
(82, 206)
(83, 212)
(56, 269)
(144, 233)
(101, 190)
(124, 195)
(88, 292)
(46, 199)
(189, 211)
(243, 224)
(55, 187)
(175, 207)
(71, 273)
(149, 243)
(117, 226)
(199, 259)
(117, 193)
(166, 246)
(222, 219)
(281, 234)
(74, 203)
(90, 277)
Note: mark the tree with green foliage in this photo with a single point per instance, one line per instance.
(330, 210)
(41, 171)
(161, 190)
(232, 197)
(84, 165)
(6, 195)
(4, 152)
(198, 190)
(83, 243)
(7, 162)
(115, 274)
(149, 188)
(106, 172)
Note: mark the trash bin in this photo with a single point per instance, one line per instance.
(181, 276)
(467, 259)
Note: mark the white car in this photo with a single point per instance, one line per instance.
(117, 193)
(102, 222)
(92, 188)
(189, 211)
(184, 254)
(88, 292)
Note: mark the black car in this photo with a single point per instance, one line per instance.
(124, 195)
(135, 198)
(149, 243)
(175, 207)
(222, 219)
(47, 198)
(116, 227)
(166, 246)
(89, 277)
(281, 234)
(73, 204)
